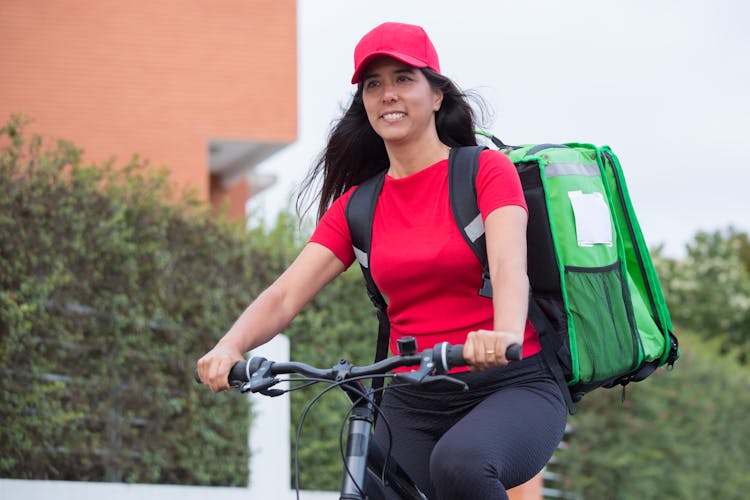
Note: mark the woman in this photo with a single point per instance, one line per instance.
(404, 117)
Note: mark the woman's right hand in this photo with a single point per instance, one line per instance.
(214, 366)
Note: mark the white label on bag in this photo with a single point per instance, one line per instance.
(592, 218)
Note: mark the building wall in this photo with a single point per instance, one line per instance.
(157, 79)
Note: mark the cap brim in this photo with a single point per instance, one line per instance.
(404, 58)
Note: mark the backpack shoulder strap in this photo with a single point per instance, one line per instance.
(360, 211)
(463, 166)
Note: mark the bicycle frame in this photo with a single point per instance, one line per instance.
(365, 461)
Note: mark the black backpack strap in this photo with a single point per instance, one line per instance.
(360, 212)
(551, 344)
(463, 166)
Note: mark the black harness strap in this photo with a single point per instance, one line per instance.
(360, 212)
(463, 166)
(551, 344)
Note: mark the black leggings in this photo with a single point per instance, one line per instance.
(479, 443)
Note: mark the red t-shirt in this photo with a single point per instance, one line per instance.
(419, 260)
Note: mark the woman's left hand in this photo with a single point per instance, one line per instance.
(486, 348)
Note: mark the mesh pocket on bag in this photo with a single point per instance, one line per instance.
(607, 342)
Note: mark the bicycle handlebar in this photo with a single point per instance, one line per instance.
(258, 374)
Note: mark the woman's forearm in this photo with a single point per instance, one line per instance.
(265, 317)
(270, 312)
(510, 299)
(275, 308)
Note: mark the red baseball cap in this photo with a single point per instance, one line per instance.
(406, 42)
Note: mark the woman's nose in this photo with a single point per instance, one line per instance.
(389, 93)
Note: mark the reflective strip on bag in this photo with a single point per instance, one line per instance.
(558, 169)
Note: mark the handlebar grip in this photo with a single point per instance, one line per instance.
(239, 371)
(450, 356)
(455, 356)
(514, 352)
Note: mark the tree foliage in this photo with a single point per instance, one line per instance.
(108, 295)
(709, 290)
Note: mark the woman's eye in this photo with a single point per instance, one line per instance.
(371, 84)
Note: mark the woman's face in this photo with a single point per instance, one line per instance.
(399, 101)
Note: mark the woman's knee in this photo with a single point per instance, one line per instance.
(457, 469)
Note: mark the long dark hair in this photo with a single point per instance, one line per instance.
(354, 151)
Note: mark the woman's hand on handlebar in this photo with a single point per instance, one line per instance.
(485, 349)
(214, 366)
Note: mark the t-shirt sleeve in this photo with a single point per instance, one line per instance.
(332, 230)
(498, 184)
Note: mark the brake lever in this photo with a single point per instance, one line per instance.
(418, 377)
(424, 374)
(262, 386)
(273, 392)
(262, 380)
(445, 378)
(415, 377)
(426, 367)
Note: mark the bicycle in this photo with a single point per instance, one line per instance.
(368, 469)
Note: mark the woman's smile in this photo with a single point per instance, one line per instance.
(393, 116)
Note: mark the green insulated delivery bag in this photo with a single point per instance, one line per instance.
(595, 297)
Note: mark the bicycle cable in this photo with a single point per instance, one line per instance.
(332, 384)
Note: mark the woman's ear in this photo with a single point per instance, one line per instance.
(438, 100)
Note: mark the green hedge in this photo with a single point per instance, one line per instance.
(109, 292)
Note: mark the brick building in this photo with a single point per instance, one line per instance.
(207, 89)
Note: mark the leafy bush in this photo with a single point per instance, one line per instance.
(709, 290)
(679, 434)
(108, 295)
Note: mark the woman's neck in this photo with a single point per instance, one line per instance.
(408, 159)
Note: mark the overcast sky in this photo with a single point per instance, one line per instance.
(665, 83)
